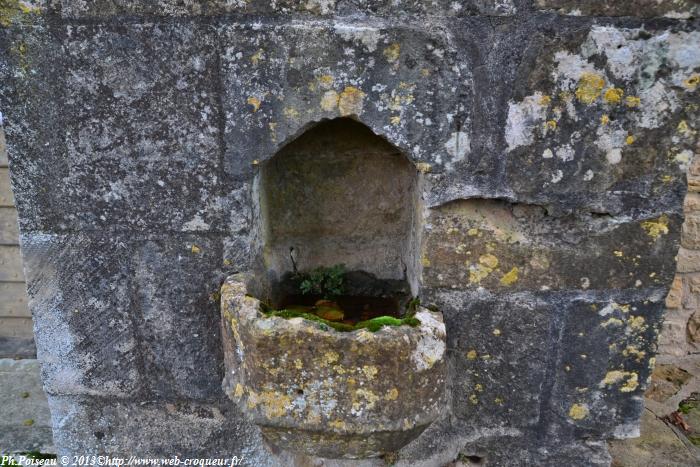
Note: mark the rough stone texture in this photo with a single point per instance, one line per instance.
(331, 394)
(552, 150)
(26, 423)
(641, 8)
(340, 194)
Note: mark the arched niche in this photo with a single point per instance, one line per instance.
(340, 194)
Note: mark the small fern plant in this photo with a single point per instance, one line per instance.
(327, 282)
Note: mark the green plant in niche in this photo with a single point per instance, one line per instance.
(327, 282)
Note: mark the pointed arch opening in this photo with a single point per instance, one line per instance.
(340, 194)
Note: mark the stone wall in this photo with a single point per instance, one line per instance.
(552, 139)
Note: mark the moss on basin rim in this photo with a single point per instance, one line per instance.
(331, 394)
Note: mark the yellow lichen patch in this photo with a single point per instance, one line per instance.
(370, 398)
(478, 272)
(255, 102)
(692, 82)
(256, 57)
(630, 139)
(273, 131)
(473, 232)
(273, 403)
(545, 100)
(195, 249)
(683, 128)
(618, 253)
(329, 101)
(578, 411)
(478, 388)
(489, 260)
(616, 376)
(604, 120)
(424, 167)
(613, 95)
(656, 227)
(298, 364)
(392, 394)
(425, 261)
(238, 392)
(338, 425)
(551, 125)
(325, 81)
(631, 384)
(632, 351)
(666, 178)
(472, 355)
(330, 357)
(613, 377)
(10, 9)
(636, 323)
(632, 101)
(291, 113)
(392, 53)
(474, 399)
(496, 332)
(395, 120)
(589, 87)
(511, 277)
(498, 401)
(339, 369)
(370, 371)
(612, 322)
(351, 101)
(623, 308)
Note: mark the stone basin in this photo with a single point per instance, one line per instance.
(326, 393)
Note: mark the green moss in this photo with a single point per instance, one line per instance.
(687, 405)
(372, 325)
(10, 10)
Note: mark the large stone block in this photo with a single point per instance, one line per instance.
(80, 290)
(406, 84)
(323, 8)
(642, 8)
(185, 429)
(510, 246)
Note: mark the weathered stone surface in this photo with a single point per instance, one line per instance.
(499, 245)
(25, 424)
(666, 381)
(658, 445)
(643, 8)
(178, 428)
(107, 8)
(326, 393)
(136, 132)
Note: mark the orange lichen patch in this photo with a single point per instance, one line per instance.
(589, 87)
(255, 102)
